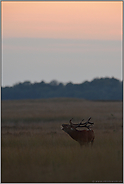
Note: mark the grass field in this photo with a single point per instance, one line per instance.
(35, 149)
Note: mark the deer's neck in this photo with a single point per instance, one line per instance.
(73, 134)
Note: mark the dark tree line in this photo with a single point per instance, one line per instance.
(97, 89)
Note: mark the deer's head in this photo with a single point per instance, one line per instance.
(82, 136)
(68, 127)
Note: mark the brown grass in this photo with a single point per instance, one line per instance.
(35, 149)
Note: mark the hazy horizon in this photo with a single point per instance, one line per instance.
(64, 83)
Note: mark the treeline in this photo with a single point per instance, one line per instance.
(97, 89)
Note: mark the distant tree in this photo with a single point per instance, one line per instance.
(97, 89)
(54, 83)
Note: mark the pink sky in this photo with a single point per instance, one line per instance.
(65, 41)
(80, 20)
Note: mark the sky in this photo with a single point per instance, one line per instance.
(63, 41)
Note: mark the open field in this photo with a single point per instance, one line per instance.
(35, 149)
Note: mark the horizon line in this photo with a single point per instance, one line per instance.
(58, 82)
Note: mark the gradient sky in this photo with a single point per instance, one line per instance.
(65, 41)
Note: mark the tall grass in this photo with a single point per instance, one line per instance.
(39, 151)
(54, 158)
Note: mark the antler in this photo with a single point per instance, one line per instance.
(89, 122)
(74, 124)
(86, 124)
(70, 121)
(78, 124)
(82, 124)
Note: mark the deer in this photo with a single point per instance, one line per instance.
(83, 137)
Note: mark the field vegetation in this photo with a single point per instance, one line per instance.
(35, 149)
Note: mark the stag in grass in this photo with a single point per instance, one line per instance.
(83, 137)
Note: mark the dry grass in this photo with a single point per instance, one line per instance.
(35, 149)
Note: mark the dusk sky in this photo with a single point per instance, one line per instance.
(63, 41)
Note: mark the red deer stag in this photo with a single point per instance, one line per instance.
(83, 137)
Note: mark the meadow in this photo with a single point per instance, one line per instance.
(35, 149)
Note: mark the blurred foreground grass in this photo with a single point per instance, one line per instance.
(39, 151)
